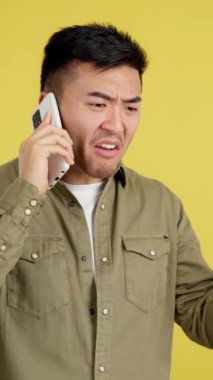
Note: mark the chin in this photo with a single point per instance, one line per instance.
(103, 172)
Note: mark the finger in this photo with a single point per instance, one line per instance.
(56, 139)
(48, 130)
(57, 149)
(51, 139)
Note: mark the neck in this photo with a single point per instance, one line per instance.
(76, 178)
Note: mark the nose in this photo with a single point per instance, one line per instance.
(113, 121)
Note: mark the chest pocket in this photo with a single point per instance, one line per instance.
(38, 284)
(146, 261)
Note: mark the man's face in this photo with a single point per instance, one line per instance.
(100, 110)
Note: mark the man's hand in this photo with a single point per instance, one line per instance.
(34, 152)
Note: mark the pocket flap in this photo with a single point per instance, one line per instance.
(150, 246)
(36, 248)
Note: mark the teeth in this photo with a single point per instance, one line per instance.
(108, 146)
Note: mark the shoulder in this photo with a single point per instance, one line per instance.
(134, 178)
(8, 174)
(150, 188)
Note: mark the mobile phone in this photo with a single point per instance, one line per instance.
(57, 166)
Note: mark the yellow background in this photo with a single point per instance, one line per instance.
(174, 142)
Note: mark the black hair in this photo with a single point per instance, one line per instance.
(100, 44)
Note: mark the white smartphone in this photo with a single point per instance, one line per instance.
(57, 166)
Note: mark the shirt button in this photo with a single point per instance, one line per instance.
(104, 259)
(72, 204)
(92, 311)
(102, 206)
(83, 258)
(27, 211)
(152, 253)
(101, 369)
(33, 203)
(105, 311)
(3, 247)
(34, 256)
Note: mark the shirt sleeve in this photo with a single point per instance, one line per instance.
(18, 206)
(194, 287)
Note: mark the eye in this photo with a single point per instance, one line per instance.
(97, 105)
(131, 109)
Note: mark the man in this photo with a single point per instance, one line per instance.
(94, 272)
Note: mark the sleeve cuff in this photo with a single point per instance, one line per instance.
(21, 201)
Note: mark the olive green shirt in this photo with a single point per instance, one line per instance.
(55, 323)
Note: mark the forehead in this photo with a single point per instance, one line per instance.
(121, 80)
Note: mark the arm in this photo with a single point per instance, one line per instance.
(194, 287)
(18, 205)
(25, 195)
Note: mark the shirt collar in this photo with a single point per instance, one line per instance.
(120, 175)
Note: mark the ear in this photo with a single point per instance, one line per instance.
(42, 95)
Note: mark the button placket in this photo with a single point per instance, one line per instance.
(104, 293)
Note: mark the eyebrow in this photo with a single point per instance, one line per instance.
(101, 95)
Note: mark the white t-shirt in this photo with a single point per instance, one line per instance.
(88, 196)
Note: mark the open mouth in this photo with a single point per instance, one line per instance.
(107, 146)
(108, 149)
